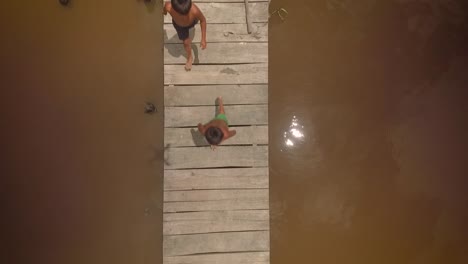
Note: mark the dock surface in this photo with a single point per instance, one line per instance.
(216, 203)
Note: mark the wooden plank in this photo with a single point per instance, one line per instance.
(215, 179)
(223, 13)
(219, 53)
(221, 258)
(216, 242)
(211, 200)
(237, 115)
(217, 74)
(250, 204)
(224, 156)
(215, 221)
(215, 195)
(251, 215)
(221, 33)
(213, 226)
(190, 137)
(232, 94)
(223, 182)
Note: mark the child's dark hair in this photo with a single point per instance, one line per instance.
(214, 135)
(181, 6)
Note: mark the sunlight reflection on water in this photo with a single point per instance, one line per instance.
(294, 135)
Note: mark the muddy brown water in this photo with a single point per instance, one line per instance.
(378, 89)
(367, 132)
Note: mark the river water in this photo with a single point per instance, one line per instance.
(368, 132)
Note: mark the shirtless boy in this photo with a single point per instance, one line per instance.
(217, 130)
(185, 15)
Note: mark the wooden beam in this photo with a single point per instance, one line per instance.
(225, 13)
(221, 33)
(216, 242)
(232, 94)
(244, 204)
(215, 221)
(214, 195)
(213, 226)
(237, 115)
(251, 215)
(214, 200)
(206, 179)
(216, 74)
(221, 258)
(223, 156)
(190, 137)
(219, 53)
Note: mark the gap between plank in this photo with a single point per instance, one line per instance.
(224, 252)
(218, 232)
(222, 189)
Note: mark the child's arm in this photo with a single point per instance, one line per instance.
(231, 134)
(166, 8)
(202, 19)
(201, 128)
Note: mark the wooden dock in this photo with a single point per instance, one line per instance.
(216, 203)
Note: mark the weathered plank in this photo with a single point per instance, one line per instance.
(221, 258)
(224, 156)
(217, 74)
(209, 200)
(221, 33)
(223, 13)
(212, 226)
(206, 179)
(215, 195)
(246, 204)
(190, 137)
(216, 242)
(232, 94)
(236, 114)
(251, 215)
(219, 53)
(215, 221)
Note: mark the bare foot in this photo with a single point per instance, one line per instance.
(188, 65)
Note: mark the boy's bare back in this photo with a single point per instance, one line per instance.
(184, 20)
(185, 15)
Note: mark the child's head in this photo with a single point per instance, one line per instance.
(181, 6)
(214, 135)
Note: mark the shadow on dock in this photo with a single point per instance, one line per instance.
(178, 50)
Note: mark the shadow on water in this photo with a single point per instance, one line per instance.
(176, 47)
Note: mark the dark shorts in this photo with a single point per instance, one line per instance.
(183, 32)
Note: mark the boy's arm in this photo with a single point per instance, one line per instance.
(165, 8)
(231, 134)
(202, 19)
(201, 128)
